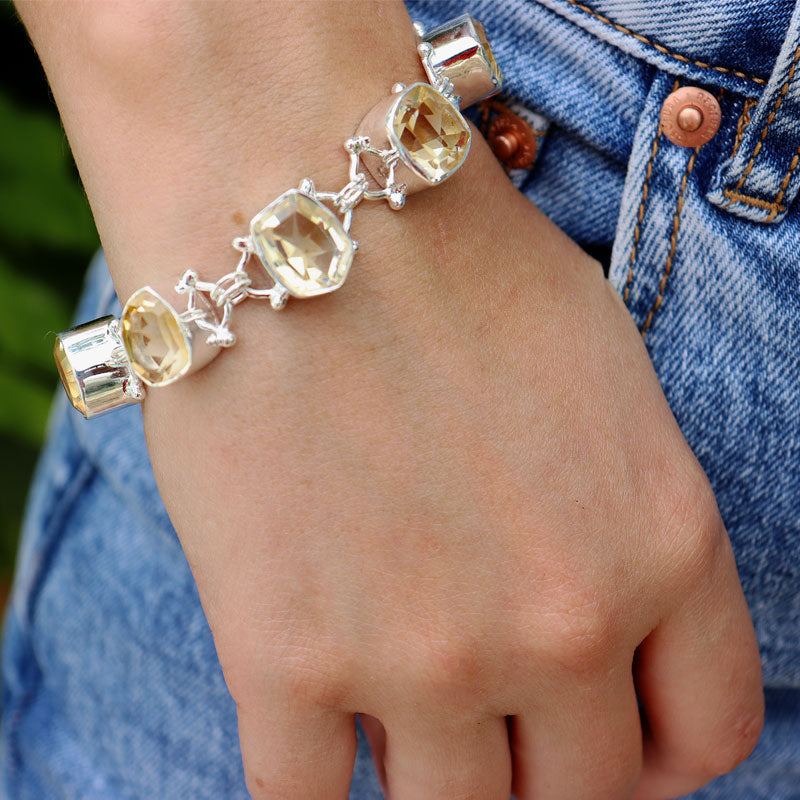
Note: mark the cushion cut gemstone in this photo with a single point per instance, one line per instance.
(302, 244)
(429, 132)
(68, 377)
(154, 338)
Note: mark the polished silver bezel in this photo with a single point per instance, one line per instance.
(102, 370)
(273, 261)
(456, 60)
(401, 150)
(184, 328)
(381, 169)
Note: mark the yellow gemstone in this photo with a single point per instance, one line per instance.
(430, 133)
(68, 377)
(154, 338)
(302, 244)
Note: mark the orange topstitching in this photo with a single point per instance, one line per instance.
(660, 47)
(673, 243)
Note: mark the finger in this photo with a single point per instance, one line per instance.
(448, 761)
(699, 679)
(584, 745)
(305, 755)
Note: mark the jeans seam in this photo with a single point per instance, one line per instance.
(773, 206)
(660, 47)
(640, 214)
(784, 186)
(744, 121)
(676, 225)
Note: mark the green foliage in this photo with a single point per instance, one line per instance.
(41, 201)
(46, 240)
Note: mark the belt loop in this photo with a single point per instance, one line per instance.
(762, 178)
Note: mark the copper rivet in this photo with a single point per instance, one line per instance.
(505, 146)
(690, 117)
(512, 140)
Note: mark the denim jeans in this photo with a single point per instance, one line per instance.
(112, 688)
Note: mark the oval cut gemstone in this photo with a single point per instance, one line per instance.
(302, 244)
(429, 132)
(154, 338)
(68, 377)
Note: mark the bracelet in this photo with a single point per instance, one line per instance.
(412, 139)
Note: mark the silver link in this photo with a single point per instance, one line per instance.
(237, 286)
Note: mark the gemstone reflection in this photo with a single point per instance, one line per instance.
(152, 334)
(430, 133)
(302, 244)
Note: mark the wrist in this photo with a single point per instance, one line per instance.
(185, 120)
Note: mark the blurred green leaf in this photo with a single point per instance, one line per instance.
(31, 313)
(40, 199)
(24, 409)
(46, 240)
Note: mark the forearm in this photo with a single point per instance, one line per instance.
(449, 493)
(172, 178)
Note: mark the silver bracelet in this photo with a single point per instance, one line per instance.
(412, 139)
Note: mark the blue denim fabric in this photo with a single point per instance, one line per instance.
(111, 684)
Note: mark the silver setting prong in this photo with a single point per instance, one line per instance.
(106, 363)
(357, 144)
(134, 389)
(397, 196)
(278, 297)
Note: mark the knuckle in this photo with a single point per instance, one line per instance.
(580, 648)
(735, 745)
(301, 674)
(314, 677)
(242, 670)
(693, 531)
(450, 670)
(579, 633)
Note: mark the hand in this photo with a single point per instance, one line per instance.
(449, 495)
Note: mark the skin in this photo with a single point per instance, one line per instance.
(450, 496)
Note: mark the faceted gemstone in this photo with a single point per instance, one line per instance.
(302, 244)
(430, 133)
(154, 338)
(68, 377)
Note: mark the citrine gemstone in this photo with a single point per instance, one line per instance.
(68, 377)
(429, 132)
(154, 338)
(302, 244)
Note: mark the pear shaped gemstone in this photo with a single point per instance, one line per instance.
(157, 345)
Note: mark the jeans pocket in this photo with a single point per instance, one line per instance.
(761, 179)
